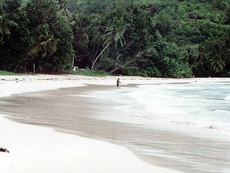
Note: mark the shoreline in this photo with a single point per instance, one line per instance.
(34, 148)
(101, 156)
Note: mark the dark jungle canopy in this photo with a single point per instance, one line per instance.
(157, 38)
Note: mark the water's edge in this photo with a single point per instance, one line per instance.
(87, 117)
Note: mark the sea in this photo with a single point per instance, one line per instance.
(196, 104)
(185, 126)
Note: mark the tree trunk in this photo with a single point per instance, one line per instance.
(25, 69)
(117, 68)
(16, 67)
(73, 60)
(92, 67)
(34, 68)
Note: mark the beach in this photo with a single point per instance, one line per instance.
(40, 149)
(41, 141)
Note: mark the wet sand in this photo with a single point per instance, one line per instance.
(67, 110)
(35, 148)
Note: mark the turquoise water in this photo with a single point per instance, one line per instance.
(197, 104)
(186, 126)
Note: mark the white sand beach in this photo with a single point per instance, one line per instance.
(41, 149)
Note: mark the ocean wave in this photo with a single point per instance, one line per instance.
(227, 98)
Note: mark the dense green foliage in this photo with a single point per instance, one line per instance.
(159, 38)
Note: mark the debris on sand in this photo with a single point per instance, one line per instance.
(4, 150)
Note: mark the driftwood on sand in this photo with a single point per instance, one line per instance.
(4, 150)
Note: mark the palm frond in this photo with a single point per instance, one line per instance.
(6, 31)
(11, 23)
(1, 34)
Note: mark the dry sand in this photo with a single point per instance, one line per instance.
(41, 149)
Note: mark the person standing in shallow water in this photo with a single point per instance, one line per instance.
(118, 82)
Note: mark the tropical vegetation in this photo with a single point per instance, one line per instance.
(156, 38)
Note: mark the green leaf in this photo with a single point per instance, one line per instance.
(6, 31)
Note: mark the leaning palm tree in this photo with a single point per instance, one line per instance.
(112, 35)
(5, 23)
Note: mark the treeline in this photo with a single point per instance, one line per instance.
(176, 38)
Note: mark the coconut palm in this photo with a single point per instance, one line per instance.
(113, 35)
(46, 44)
(63, 10)
(217, 64)
(5, 24)
(200, 60)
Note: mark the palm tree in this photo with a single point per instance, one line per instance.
(46, 44)
(217, 64)
(200, 58)
(63, 10)
(112, 35)
(5, 24)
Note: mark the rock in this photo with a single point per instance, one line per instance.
(212, 127)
